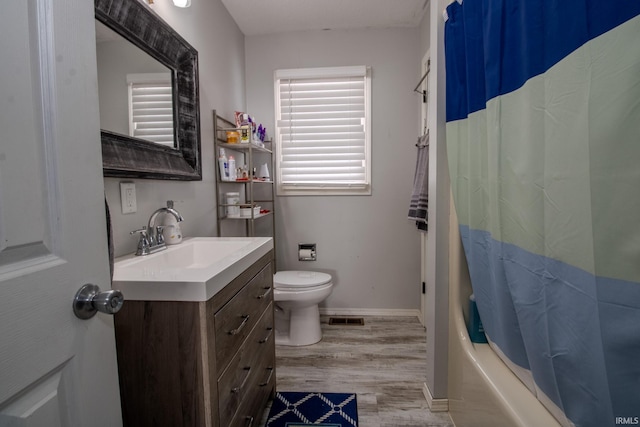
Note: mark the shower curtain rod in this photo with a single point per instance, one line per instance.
(423, 92)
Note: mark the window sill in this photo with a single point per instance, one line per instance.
(359, 190)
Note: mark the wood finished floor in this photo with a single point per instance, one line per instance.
(383, 362)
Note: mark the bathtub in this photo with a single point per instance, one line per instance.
(483, 391)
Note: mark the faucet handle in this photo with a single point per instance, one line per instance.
(170, 204)
(160, 234)
(142, 231)
(144, 242)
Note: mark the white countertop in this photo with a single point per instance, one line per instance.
(194, 270)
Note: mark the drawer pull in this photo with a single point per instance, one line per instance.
(271, 370)
(265, 339)
(237, 330)
(249, 421)
(244, 381)
(268, 288)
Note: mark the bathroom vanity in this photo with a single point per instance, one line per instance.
(205, 356)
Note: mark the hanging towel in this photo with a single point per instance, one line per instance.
(420, 195)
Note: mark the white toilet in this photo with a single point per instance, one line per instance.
(297, 295)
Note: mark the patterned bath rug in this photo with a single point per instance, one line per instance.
(296, 409)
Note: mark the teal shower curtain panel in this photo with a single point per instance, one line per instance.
(543, 139)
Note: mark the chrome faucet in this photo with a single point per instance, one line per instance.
(151, 238)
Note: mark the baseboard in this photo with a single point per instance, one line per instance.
(435, 405)
(382, 312)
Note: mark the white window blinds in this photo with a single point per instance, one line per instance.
(322, 135)
(151, 107)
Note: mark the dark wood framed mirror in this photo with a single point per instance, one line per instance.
(126, 156)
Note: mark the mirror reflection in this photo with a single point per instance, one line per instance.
(135, 90)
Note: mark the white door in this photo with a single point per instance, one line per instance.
(55, 369)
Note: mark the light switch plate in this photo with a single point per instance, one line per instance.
(128, 197)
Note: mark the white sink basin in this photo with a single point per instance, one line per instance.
(194, 270)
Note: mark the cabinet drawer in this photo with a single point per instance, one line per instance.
(235, 320)
(237, 382)
(250, 412)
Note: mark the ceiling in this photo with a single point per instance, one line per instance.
(278, 16)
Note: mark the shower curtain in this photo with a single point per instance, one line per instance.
(543, 139)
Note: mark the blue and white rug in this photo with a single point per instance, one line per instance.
(296, 409)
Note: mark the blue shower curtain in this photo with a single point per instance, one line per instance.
(543, 139)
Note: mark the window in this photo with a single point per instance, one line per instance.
(323, 131)
(151, 107)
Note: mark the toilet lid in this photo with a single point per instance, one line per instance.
(300, 279)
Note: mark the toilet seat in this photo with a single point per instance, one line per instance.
(298, 280)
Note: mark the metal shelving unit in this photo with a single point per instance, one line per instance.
(249, 185)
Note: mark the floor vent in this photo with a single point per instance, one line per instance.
(354, 321)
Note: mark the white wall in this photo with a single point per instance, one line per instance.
(365, 242)
(425, 32)
(210, 29)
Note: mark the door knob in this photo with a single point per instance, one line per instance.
(89, 300)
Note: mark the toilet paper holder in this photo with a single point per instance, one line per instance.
(306, 251)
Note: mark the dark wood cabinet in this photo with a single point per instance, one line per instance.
(210, 363)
